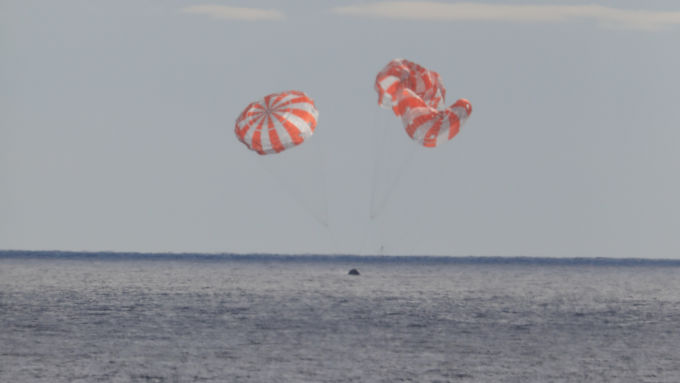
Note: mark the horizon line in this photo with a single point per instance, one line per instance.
(489, 259)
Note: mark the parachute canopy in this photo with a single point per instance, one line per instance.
(277, 122)
(400, 74)
(428, 126)
(417, 95)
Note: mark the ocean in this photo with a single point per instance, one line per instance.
(107, 317)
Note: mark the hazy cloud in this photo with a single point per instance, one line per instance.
(224, 12)
(427, 10)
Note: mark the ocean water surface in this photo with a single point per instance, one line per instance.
(84, 317)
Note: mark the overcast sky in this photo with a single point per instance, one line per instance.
(117, 128)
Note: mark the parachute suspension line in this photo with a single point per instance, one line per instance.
(299, 175)
(377, 145)
(319, 149)
(278, 122)
(393, 155)
(392, 182)
(319, 154)
(380, 133)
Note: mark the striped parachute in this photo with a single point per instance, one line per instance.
(428, 126)
(277, 122)
(400, 74)
(417, 96)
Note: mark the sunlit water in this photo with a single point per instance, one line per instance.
(259, 319)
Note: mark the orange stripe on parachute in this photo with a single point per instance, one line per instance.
(408, 75)
(304, 115)
(417, 95)
(430, 139)
(454, 124)
(274, 139)
(415, 123)
(293, 131)
(273, 109)
(298, 100)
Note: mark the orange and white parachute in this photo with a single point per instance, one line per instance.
(400, 74)
(428, 126)
(417, 95)
(277, 122)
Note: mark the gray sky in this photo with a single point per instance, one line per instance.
(117, 117)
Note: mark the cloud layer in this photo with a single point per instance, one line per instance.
(605, 16)
(235, 13)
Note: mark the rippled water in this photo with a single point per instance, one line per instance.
(74, 319)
